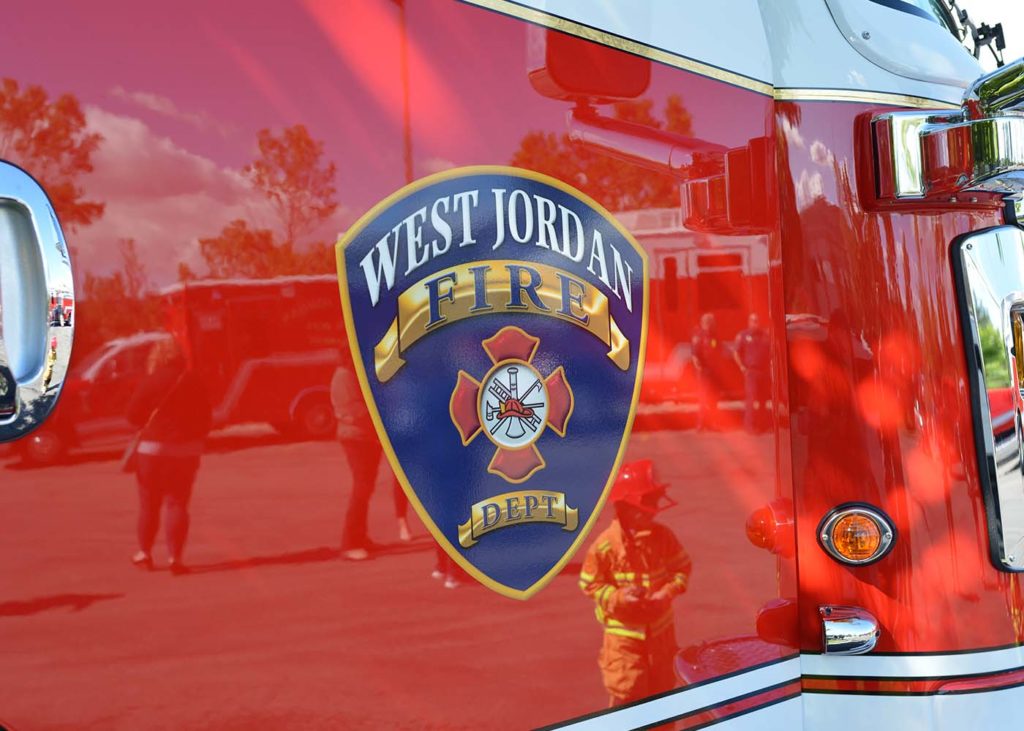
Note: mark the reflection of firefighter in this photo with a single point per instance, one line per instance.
(707, 362)
(752, 354)
(634, 570)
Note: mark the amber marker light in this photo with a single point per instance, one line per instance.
(856, 535)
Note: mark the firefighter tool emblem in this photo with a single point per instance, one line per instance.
(497, 321)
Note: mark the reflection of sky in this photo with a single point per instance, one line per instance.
(179, 96)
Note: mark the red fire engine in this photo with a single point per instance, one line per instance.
(493, 364)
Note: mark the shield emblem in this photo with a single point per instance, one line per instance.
(497, 318)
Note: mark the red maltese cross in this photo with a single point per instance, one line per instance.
(512, 405)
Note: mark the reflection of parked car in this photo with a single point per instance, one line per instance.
(93, 400)
(265, 350)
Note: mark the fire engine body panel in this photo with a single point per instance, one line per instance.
(545, 348)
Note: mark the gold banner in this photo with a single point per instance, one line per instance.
(485, 287)
(516, 508)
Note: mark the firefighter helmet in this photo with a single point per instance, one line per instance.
(636, 481)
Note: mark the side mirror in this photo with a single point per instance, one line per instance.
(561, 66)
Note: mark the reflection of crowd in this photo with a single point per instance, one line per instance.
(751, 352)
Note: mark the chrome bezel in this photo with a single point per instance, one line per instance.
(987, 268)
(883, 522)
(34, 267)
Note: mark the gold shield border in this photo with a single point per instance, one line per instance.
(382, 434)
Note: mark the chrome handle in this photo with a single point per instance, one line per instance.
(999, 91)
(938, 154)
(847, 630)
(36, 304)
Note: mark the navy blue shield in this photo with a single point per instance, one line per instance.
(497, 320)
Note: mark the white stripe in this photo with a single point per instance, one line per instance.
(687, 700)
(991, 710)
(913, 666)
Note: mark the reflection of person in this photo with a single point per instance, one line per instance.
(172, 410)
(446, 568)
(633, 571)
(751, 355)
(363, 452)
(706, 353)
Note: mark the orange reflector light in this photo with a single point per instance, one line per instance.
(856, 537)
(856, 534)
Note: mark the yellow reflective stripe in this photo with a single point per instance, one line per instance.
(604, 546)
(626, 633)
(586, 577)
(603, 594)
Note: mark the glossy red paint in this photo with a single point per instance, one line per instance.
(878, 395)
(236, 142)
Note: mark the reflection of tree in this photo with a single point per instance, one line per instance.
(616, 184)
(993, 352)
(117, 304)
(49, 139)
(289, 173)
(299, 186)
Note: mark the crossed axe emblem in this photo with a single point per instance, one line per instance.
(507, 416)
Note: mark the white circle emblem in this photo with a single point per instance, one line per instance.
(513, 404)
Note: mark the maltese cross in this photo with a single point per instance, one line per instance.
(512, 405)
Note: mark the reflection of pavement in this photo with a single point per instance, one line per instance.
(273, 631)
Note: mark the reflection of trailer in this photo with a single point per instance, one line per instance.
(266, 349)
(689, 278)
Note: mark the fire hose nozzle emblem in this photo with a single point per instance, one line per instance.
(512, 405)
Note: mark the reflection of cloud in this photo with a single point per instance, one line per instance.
(159, 194)
(792, 133)
(164, 106)
(435, 165)
(809, 187)
(821, 154)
